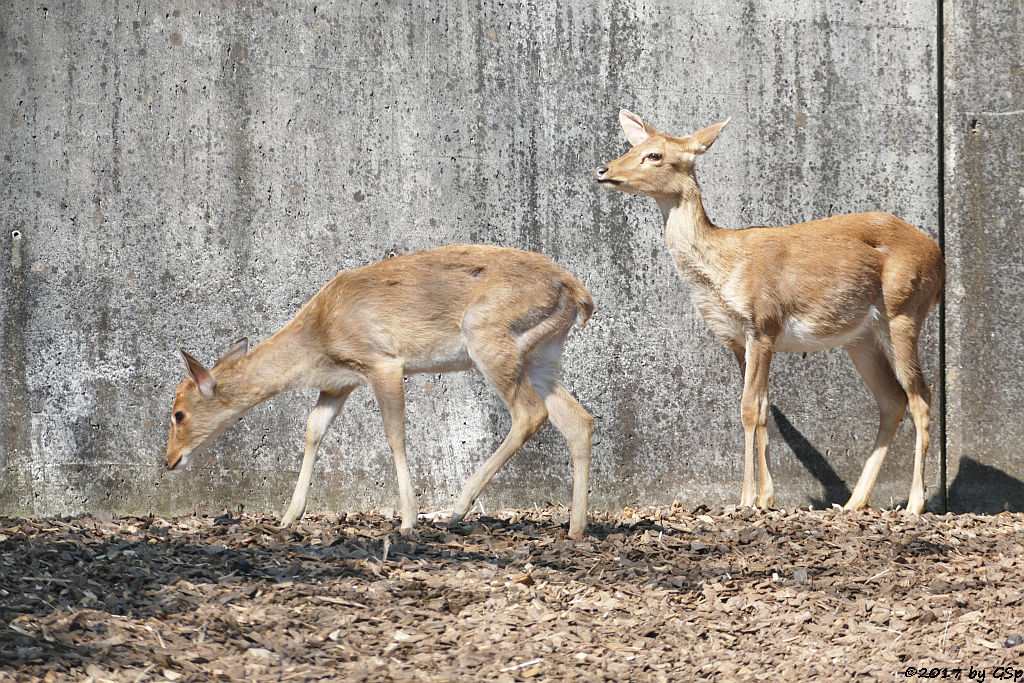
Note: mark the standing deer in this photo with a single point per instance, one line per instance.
(505, 311)
(863, 281)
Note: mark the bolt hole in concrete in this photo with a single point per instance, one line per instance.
(16, 234)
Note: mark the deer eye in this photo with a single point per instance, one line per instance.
(179, 416)
(654, 156)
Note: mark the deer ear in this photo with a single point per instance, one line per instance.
(238, 349)
(634, 127)
(705, 137)
(198, 374)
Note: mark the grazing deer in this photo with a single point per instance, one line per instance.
(505, 311)
(861, 281)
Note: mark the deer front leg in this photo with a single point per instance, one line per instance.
(754, 414)
(320, 418)
(741, 358)
(387, 387)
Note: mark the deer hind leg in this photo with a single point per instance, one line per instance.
(754, 414)
(904, 332)
(320, 418)
(570, 418)
(386, 382)
(873, 365)
(501, 363)
(577, 426)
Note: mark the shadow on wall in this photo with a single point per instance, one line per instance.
(984, 489)
(977, 488)
(836, 490)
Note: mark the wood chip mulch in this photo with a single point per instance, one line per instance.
(659, 594)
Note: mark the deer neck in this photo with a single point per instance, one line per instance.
(278, 364)
(690, 236)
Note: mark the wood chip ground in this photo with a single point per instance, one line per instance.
(658, 594)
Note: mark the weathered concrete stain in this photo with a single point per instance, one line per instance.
(16, 488)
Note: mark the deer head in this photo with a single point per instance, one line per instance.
(201, 412)
(658, 165)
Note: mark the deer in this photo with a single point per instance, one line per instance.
(503, 311)
(864, 282)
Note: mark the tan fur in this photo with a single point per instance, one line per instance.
(861, 281)
(506, 312)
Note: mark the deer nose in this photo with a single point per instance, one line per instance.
(599, 172)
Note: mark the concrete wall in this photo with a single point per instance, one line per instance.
(193, 172)
(984, 171)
